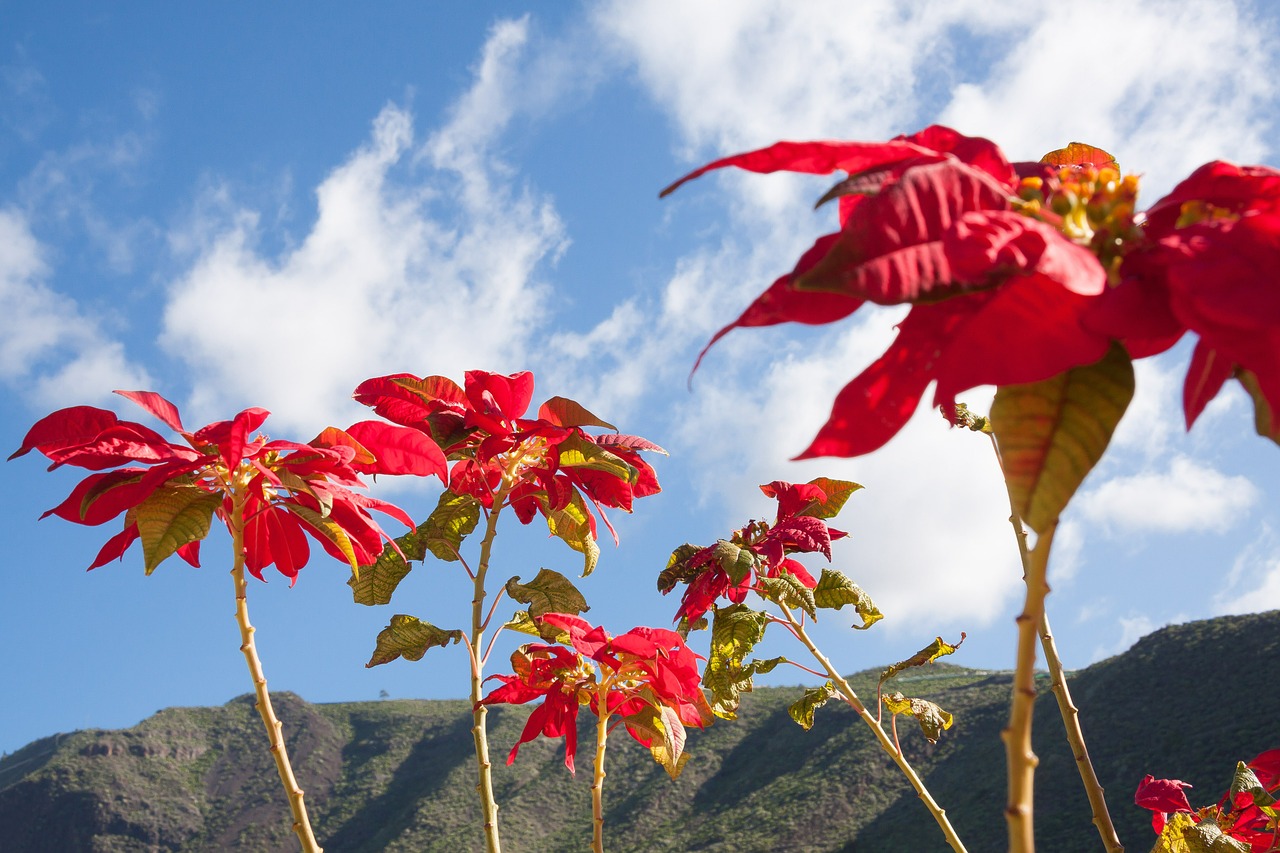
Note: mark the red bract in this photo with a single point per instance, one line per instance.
(730, 568)
(1245, 813)
(932, 220)
(280, 491)
(1213, 248)
(546, 465)
(644, 672)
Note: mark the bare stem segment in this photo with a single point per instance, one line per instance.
(597, 786)
(301, 825)
(886, 743)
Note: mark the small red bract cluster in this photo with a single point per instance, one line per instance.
(649, 678)
(1243, 815)
(281, 491)
(541, 465)
(730, 569)
(1006, 267)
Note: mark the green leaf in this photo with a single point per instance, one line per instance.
(522, 622)
(927, 655)
(572, 525)
(1052, 433)
(564, 412)
(578, 452)
(685, 626)
(549, 592)
(327, 528)
(803, 708)
(735, 631)
(666, 732)
(834, 591)
(786, 589)
(932, 719)
(1246, 781)
(173, 516)
(838, 492)
(1207, 837)
(409, 637)
(678, 570)
(374, 584)
(736, 561)
(453, 519)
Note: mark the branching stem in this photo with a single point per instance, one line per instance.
(262, 699)
(851, 698)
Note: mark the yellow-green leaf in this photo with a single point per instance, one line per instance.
(802, 709)
(549, 592)
(572, 525)
(375, 584)
(409, 637)
(927, 655)
(453, 519)
(786, 589)
(932, 719)
(578, 452)
(835, 590)
(1246, 781)
(662, 726)
(522, 622)
(328, 529)
(173, 516)
(736, 561)
(838, 492)
(735, 631)
(1052, 433)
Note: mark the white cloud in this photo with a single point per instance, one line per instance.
(1189, 497)
(1132, 629)
(402, 271)
(48, 347)
(1253, 584)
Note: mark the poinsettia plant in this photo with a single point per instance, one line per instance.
(1246, 818)
(270, 494)
(647, 679)
(1043, 280)
(760, 559)
(548, 466)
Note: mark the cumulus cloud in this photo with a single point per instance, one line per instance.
(1188, 497)
(49, 347)
(424, 257)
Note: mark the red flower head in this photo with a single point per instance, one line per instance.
(279, 491)
(933, 220)
(547, 465)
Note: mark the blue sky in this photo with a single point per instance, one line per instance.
(263, 206)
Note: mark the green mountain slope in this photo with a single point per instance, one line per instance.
(1185, 702)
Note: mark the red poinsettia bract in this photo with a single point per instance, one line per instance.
(730, 569)
(281, 491)
(647, 677)
(933, 220)
(1247, 813)
(541, 465)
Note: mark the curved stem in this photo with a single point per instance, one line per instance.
(1070, 713)
(488, 805)
(1021, 760)
(301, 824)
(597, 786)
(851, 698)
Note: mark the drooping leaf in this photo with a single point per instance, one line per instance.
(932, 719)
(326, 529)
(375, 584)
(578, 452)
(572, 525)
(409, 637)
(678, 569)
(564, 412)
(735, 631)
(660, 725)
(1052, 433)
(549, 592)
(834, 591)
(173, 516)
(802, 709)
(786, 589)
(453, 519)
(737, 562)
(1246, 781)
(938, 648)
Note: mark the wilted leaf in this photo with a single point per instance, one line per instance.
(1183, 835)
(932, 719)
(927, 655)
(678, 569)
(1246, 781)
(572, 525)
(453, 519)
(578, 452)
(409, 637)
(802, 709)
(549, 592)
(735, 631)
(375, 584)
(173, 516)
(834, 591)
(736, 561)
(522, 622)
(788, 590)
(1052, 433)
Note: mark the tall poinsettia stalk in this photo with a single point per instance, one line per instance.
(271, 495)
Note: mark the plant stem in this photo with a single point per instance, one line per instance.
(488, 805)
(1070, 713)
(939, 814)
(597, 785)
(301, 825)
(1021, 760)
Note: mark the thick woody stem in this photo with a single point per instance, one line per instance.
(301, 825)
(887, 744)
